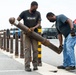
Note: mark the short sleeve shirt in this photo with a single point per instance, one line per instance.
(30, 19)
(61, 26)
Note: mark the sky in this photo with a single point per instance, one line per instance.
(12, 8)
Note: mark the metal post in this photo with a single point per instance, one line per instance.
(35, 36)
(11, 45)
(16, 44)
(7, 40)
(4, 40)
(11, 42)
(0, 40)
(21, 46)
(39, 48)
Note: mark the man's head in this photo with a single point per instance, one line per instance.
(34, 6)
(51, 17)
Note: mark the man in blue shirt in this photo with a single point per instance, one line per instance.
(65, 27)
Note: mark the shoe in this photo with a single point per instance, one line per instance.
(28, 69)
(70, 68)
(61, 67)
(35, 68)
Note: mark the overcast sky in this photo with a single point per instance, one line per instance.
(12, 8)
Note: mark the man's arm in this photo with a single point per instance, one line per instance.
(21, 16)
(71, 27)
(38, 24)
(66, 20)
(18, 18)
(60, 39)
(69, 21)
(39, 20)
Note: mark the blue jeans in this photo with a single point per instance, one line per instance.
(68, 52)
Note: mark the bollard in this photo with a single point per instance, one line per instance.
(39, 48)
(21, 46)
(35, 36)
(4, 40)
(11, 42)
(7, 40)
(11, 45)
(16, 44)
(0, 40)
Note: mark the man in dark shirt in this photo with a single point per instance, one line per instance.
(31, 19)
(65, 27)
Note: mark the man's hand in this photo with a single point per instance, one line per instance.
(72, 32)
(61, 47)
(29, 30)
(32, 29)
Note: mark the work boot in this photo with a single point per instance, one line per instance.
(70, 68)
(28, 69)
(60, 67)
(35, 68)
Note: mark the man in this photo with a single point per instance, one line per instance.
(32, 20)
(65, 27)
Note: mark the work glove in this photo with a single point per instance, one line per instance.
(72, 32)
